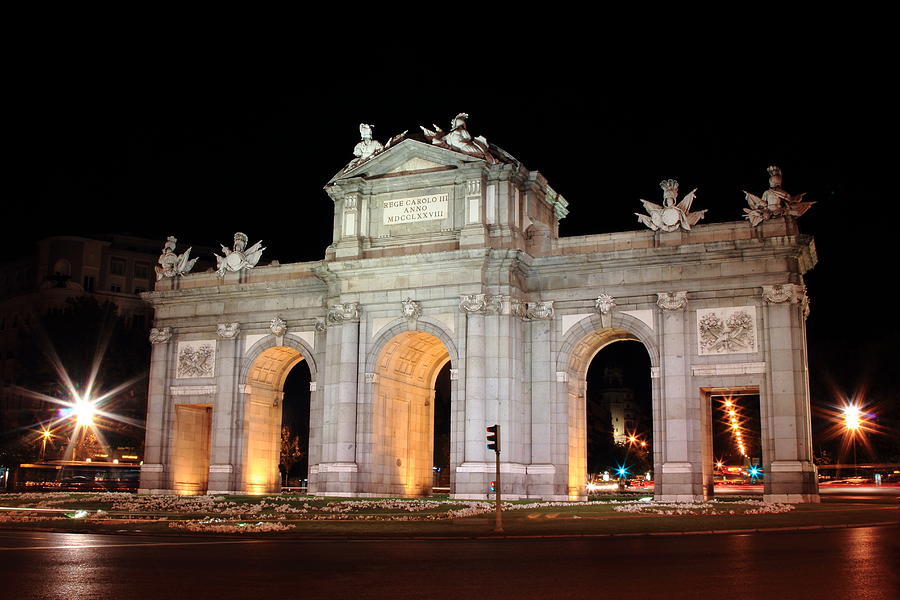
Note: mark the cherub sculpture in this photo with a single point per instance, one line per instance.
(459, 138)
(238, 258)
(171, 264)
(775, 201)
(671, 215)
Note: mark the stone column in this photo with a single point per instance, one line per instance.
(154, 473)
(548, 468)
(475, 388)
(787, 434)
(472, 473)
(338, 468)
(316, 408)
(502, 403)
(681, 476)
(222, 466)
(514, 407)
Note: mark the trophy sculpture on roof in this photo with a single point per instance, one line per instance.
(171, 264)
(238, 259)
(672, 214)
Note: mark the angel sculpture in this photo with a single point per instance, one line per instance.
(171, 264)
(238, 259)
(775, 201)
(670, 216)
(459, 138)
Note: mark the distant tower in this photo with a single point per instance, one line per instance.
(615, 396)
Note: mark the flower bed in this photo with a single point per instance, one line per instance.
(747, 507)
(205, 511)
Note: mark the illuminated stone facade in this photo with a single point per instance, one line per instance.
(441, 255)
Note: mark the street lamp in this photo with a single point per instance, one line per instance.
(852, 423)
(83, 411)
(46, 435)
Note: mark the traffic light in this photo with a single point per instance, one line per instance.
(493, 438)
(493, 487)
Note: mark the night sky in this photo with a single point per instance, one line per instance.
(200, 149)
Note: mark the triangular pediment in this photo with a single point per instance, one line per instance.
(416, 163)
(407, 157)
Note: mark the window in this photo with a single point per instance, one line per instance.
(117, 266)
(141, 270)
(88, 283)
(115, 287)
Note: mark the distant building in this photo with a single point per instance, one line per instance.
(113, 268)
(626, 414)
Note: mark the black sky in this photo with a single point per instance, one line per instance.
(200, 148)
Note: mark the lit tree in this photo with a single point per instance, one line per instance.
(88, 446)
(290, 452)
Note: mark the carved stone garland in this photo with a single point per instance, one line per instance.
(343, 313)
(787, 292)
(671, 300)
(229, 331)
(480, 304)
(539, 311)
(161, 335)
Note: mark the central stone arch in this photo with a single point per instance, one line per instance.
(580, 345)
(403, 370)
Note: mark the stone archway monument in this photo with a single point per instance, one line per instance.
(446, 250)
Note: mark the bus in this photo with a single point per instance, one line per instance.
(76, 476)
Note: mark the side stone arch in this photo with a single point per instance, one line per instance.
(579, 346)
(270, 341)
(263, 370)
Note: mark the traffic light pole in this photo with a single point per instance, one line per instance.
(498, 520)
(493, 439)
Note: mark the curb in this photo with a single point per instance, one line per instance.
(702, 532)
(443, 538)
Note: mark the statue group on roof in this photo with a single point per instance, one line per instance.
(775, 201)
(171, 264)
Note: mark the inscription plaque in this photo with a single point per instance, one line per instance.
(413, 210)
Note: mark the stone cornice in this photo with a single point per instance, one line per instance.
(389, 265)
(619, 252)
(236, 290)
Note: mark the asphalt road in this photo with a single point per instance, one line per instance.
(859, 563)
